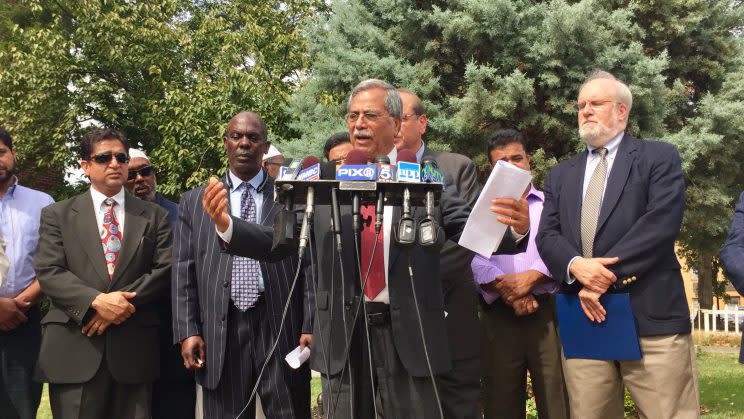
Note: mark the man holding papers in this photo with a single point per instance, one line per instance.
(609, 222)
(519, 313)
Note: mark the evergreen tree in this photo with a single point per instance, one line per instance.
(483, 65)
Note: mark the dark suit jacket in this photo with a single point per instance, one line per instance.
(71, 271)
(639, 221)
(201, 280)
(460, 294)
(451, 216)
(732, 255)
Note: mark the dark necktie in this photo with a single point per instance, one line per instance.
(245, 271)
(376, 280)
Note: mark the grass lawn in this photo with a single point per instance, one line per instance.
(721, 380)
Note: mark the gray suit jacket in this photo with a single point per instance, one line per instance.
(71, 271)
(201, 277)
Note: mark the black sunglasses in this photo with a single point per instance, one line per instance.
(143, 171)
(104, 158)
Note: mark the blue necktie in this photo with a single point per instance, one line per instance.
(245, 271)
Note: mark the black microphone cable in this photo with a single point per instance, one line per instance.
(347, 347)
(423, 337)
(278, 336)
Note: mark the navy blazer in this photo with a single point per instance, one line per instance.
(639, 221)
(732, 255)
(201, 281)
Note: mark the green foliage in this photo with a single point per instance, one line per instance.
(484, 65)
(169, 74)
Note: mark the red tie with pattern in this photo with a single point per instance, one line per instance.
(110, 237)
(376, 280)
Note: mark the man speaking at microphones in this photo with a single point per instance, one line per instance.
(395, 277)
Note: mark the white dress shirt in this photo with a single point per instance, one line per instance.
(100, 209)
(592, 160)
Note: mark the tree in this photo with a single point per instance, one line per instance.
(483, 65)
(168, 73)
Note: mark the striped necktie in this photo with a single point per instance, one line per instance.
(593, 203)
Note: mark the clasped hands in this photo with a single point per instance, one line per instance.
(596, 279)
(111, 308)
(515, 290)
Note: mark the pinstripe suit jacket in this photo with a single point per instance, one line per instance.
(201, 281)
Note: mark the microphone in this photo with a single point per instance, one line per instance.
(428, 227)
(354, 160)
(311, 170)
(383, 175)
(408, 171)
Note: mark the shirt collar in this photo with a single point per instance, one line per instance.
(12, 187)
(535, 194)
(420, 151)
(611, 146)
(257, 181)
(393, 155)
(98, 198)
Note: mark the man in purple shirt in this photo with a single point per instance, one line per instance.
(20, 331)
(519, 313)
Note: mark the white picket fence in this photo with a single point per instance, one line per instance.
(708, 320)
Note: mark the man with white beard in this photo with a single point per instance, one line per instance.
(610, 218)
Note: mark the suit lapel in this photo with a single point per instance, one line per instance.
(617, 179)
(394, 247)
(134, 225)
(574, 195)
(267, 189)
(87, 226)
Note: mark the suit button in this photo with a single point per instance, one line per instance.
(223, 318)
(225, 284)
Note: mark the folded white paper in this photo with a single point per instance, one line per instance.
(483, 232)
(297, 357)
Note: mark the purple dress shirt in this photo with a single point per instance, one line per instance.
(485, 270)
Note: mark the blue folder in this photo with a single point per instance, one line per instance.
(615, 339)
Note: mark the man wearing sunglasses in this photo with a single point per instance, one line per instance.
(174, 394)
(104, 261)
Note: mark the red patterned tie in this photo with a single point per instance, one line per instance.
(110, 237)
(376, 281)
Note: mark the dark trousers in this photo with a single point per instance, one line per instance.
(19, 349)
(174, 399)
(100, 397)
(512, 345)
(460, 389)
(249, 341)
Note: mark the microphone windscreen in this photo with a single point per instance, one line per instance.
(356, 157)
(328, 170)
(309, 161)
(382, 159)
(429, 160)
(407, 156)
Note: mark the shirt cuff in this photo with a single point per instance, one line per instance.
(518, 237)
(570, 279)
(226, 235)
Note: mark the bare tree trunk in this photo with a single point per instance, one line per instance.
(705, 281)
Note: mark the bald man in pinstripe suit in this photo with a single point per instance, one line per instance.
(227, 310)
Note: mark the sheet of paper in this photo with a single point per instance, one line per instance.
(297, 357)
(483, 232)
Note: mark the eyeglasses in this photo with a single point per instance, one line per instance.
(143, 171)
(352, 117)
(409, 116)
(593, 103)
(105, 158)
